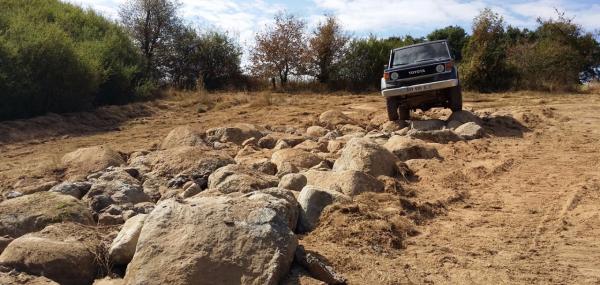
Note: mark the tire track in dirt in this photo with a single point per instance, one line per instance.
(523, 224)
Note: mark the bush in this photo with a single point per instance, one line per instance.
(485, 67)
(362, 67)
(55, 57)
(554, 58)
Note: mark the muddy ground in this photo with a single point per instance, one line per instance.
(520, 206)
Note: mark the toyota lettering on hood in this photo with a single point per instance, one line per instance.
(413, 72)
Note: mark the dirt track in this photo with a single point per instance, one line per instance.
(520, 206)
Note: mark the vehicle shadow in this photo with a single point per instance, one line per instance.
(504, 126)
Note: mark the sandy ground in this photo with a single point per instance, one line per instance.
(521, 206)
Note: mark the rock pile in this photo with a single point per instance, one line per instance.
(222, 206)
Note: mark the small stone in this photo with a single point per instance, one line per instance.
(292, 181)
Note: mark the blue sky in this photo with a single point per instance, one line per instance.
(362, 17)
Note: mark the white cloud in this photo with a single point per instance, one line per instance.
(420, 17)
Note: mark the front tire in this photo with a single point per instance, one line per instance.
(455, 99)
(392, 108)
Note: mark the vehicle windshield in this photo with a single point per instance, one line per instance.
(421, 53)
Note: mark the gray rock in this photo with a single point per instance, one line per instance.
(236, 133)
(406, 148)
(348, 182)
(292, 181)
(191, 191)
(470, 131)
(461, 117)
(237, 178)
(105, 193)
(12, 194)
(316, 131)
(286, 168)
(123, 246)
(317, 267)
(297, 157)
(225, 239)
(33, 212)
(75, 189)
(427, 125)
(182, 136)
(312, 201)
(441, 136)
(108, 219)
(63, 253)
(366, 156)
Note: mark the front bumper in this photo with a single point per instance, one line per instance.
(413, 89)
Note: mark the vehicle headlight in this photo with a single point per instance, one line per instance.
(440, 68)
(394, 75)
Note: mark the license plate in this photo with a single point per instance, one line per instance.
(417, 88)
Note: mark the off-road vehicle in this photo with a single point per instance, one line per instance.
(420, 76)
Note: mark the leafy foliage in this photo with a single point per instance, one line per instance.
(363, 64)
(280, 50)
(327, 47)
(485, 68)
(456, 36)
(555, 56)
(55, 57)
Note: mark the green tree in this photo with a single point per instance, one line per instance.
(362, 66)
(554, 58)
(456, 36)
(485, 68)
(151, 25)
(326, 48)
(56, 57)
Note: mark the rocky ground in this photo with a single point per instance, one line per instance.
(304, 189)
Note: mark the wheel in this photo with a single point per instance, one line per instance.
(455, 100)
(392, 108)
(404, 113)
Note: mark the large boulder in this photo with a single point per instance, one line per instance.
(20, 278)
(33, 212)
(225, 239)
(123, 246)
(296, 157)
(192, 162)
(349, 182)
(64, 253)
(84, 161)
(182, 136)
(406, 148)
(237, 178)
(332, 118)
(367, 156)
(469, 131)
(312, 201)
(236, 133)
